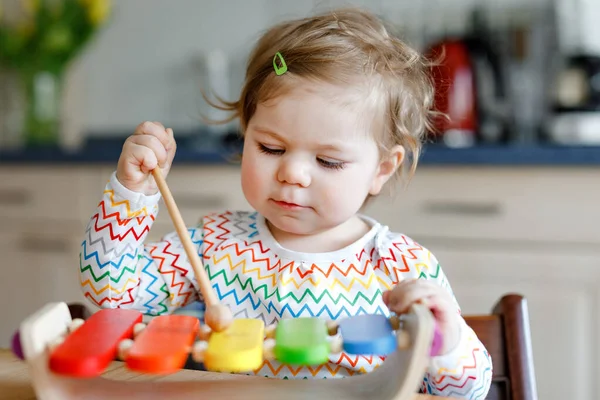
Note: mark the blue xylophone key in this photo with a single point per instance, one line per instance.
(368, 334)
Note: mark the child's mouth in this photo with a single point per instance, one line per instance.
(287, 206)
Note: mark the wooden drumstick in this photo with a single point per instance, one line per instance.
(217, 316)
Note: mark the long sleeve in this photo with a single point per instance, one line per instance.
(119, 270)
(465, 371)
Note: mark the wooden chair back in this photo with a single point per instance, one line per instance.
(505, 333)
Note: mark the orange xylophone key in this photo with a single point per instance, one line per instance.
(91, 348)
(164, 345)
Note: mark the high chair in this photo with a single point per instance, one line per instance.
(505, 333)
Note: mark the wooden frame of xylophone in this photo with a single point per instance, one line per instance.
(67, 357)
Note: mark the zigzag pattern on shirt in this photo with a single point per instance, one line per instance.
(162, 307)
(224, 232)
(478, 391)
(114, 234)
(250, 277)
(124, 206)
(175, 276)
(108, 287)
(264, 262)
(299, 297)
(295, 310)
(240, 229)
(148, 270)
(208, 222)
(107, 249)
(458, 379)
(127, 253)
(88, 270)
(465, 358)
(111, 240)
(484, 377)
(344, 364)
(453, 380)
(269, 368)
(274, 277)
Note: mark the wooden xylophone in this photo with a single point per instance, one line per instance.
(62, 351)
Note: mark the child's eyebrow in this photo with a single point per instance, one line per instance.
(336, 147)
(269, 132)
(332, 147)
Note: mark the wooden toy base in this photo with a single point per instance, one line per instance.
(398, 378)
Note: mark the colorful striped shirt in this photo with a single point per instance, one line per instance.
(258, 278)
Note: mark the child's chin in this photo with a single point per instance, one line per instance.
(292, 225)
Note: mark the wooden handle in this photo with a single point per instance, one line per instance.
(210, 298)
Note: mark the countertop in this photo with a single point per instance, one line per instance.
(99, 151)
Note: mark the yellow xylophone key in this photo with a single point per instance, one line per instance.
(239, 348)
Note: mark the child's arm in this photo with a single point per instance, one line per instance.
(464, 372)
(117, 267)
(464, 368)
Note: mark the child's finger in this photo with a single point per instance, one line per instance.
(385, 297)
(391, 295)
(399, 301)
(153, 144)
(144, 157)
(154, 129)
(171, 147)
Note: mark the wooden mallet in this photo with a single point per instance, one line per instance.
(217, 316)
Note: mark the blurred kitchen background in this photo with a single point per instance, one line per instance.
(516, 73)
(506, 194)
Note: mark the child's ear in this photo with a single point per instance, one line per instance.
(387, 167)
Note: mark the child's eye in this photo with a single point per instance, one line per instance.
(331, 164)
(269, 150)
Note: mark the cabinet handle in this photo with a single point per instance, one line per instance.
(14, 197)
(186, 200)
(462, 208)
(40, 244)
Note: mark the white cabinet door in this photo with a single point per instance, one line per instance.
(36, 268)
(521, 204)
(563, 293)
(57, 262)
(20, 286)
(65, 193)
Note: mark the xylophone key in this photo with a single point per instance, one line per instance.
(302, 341)
(164, 345)
(92, 347)
(368, 334)
(239, 348)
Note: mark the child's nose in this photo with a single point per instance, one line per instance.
(294, 172)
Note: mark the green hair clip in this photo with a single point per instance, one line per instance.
(279, 70)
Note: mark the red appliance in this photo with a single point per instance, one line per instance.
(455, 95)
(471, 87)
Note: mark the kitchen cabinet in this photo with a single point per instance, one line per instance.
(563, 293)
(528, 230)
(494, 230)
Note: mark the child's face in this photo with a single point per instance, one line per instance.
(309, 161)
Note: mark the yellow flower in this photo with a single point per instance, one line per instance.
(97, 10)
(30, 6)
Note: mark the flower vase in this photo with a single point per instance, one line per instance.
(43, 96)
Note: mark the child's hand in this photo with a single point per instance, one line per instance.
(150, 145)
(433, 296)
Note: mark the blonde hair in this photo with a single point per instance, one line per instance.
(344, 47)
